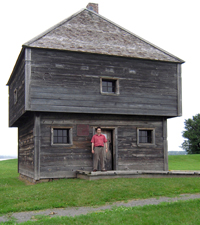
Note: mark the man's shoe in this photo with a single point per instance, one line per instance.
(94, 170)
(104, 171)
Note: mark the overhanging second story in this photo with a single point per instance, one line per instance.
(88, 64)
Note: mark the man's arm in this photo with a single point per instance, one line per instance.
(106, 147)
(92, 147)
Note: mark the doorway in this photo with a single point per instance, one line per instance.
(111, 157)
(108, 158)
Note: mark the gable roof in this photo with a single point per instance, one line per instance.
(87, 31)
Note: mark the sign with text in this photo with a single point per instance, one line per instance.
(82, 130)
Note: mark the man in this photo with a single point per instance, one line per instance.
(98, 141)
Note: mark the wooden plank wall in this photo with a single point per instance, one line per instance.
(63, 161)
(70, 82)
(26, 148)
(17, 82)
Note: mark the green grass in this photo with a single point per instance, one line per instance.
(17, 196)
(182, 212)
(184, 162)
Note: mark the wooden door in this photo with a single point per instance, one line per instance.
(109, 155)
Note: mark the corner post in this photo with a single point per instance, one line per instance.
(165, 144)
(179, 89)
(36, 134)
(27, 77)
(116, 149)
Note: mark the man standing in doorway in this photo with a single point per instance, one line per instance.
(98, 141)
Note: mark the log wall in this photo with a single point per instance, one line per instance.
(64, 81)
(17, 83)
(26, 148)
(58, 161)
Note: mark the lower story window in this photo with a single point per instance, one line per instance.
(61, 136)
(145, 136)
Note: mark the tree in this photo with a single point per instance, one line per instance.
(192, 134)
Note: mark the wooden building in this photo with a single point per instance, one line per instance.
(86, 72)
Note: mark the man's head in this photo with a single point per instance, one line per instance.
(98, 130)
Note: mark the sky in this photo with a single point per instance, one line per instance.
(173, 25)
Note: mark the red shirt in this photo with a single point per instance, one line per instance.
(98, 140)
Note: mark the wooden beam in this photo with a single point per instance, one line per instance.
(27, 77)
(18, 151)
(179, 89)
(115, 135)
(36, 134)
(165, 144)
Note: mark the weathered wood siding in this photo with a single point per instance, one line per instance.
(17, 83)
(62, 161)
(70, 82)
(26, 148)
(142, 156)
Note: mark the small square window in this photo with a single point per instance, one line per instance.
(109, 86)
(145, 136)
(61, 136)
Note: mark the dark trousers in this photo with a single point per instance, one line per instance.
(98, 154)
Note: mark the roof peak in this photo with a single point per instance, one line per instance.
(79, 31)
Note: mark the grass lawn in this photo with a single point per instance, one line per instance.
(184, 162)
(17, 196)
(182, 212)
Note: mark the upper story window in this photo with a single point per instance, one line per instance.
(145, 136)
(61, 136)
(109, 86)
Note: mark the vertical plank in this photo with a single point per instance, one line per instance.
(165, 144)
(115, 141)
(37, 147)
(18, 152)
(179, 89)
(27, 77)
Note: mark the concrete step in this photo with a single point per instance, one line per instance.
(90, 175)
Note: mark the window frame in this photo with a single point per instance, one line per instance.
(152, 136)
(62, 144)
(113, 79)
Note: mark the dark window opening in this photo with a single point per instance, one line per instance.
(145, 136)
(61, 136)
(108, 86)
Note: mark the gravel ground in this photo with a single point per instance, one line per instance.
(30, 215)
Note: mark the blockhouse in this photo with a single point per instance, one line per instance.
(86, 72)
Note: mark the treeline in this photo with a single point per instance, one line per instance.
(177, 153)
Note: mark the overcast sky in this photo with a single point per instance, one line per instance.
(173, 25)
